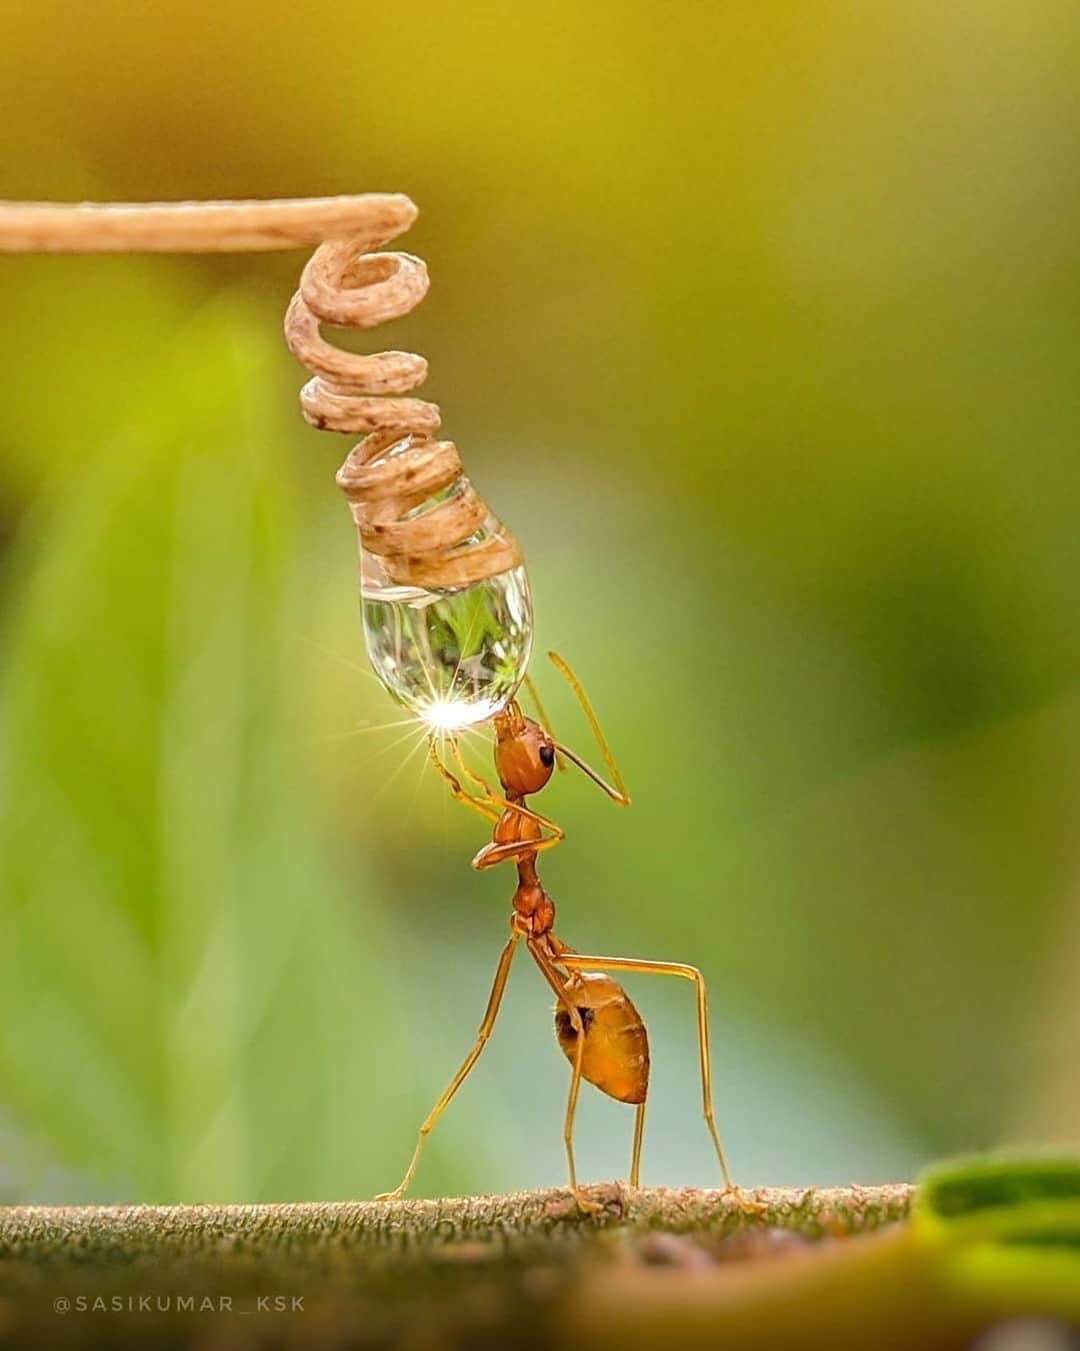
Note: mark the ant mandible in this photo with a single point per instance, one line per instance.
(598, 1028)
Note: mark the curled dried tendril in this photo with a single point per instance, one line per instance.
(411, 503)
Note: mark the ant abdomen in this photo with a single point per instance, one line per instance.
(616, 1055)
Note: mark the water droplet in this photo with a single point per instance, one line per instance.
(454, 657)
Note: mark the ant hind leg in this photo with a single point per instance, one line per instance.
(581, 962)
(639, 1135)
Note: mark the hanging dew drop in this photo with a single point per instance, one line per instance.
(453, 657)
(444, 594)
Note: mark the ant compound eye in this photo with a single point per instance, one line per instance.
(547, 755)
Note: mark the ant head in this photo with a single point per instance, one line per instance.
(524, 753)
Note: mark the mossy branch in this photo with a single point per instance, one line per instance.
(420, 1273)
(111, 1234)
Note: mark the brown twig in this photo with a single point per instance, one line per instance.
(193, 227)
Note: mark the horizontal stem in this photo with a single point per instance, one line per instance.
(198, 227)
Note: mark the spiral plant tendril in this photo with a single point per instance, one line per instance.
(412, 506)
(445, 598)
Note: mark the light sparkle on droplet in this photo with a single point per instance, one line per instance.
(450, 715)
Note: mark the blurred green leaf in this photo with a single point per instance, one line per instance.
(983, 1189)
(1008, 1229)
(188, 1008)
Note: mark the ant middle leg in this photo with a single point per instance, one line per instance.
(502, 972)
(580, 962)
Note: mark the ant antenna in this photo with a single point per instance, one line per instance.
(618, 793)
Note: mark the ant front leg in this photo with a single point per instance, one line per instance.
(499, 851)
(494, 808)
(515, 849)
(578, 962)
(494, 801)
(489, 813)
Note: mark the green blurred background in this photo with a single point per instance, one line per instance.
(760, 326)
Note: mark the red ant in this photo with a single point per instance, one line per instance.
(598, 1028)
